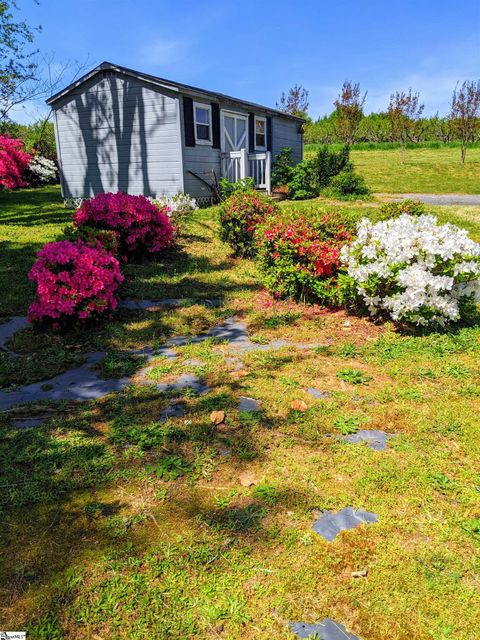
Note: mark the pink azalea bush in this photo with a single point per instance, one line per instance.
(13, 162)
(75, 281)
(141, 227)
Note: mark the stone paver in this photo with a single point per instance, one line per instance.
(373, 438)
(329, 524)
(327, 629)
(316, 393)
(248, 404)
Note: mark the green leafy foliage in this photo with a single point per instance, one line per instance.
(347, 185)
(228, 188)
(282, 168)
(395, 209)
(118, 364)
(353, 376)
(170, 468)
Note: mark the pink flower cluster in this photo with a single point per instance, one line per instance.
(141, 227)
(13, 162)
(74, 281)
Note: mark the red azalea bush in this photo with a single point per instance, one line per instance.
(75, 281)
(141, 227)
(239, 216)
(300, 258)
(13, 162)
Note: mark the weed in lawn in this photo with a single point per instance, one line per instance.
(346, 350)
(119, 365)
(266, 493)
(169, 468)
(353, 376)
(349, 424)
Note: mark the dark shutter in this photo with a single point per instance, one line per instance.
(251, 132)
(269, 133)
(215, 125)
(188, 122)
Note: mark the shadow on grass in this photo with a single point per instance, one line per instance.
(33, 207)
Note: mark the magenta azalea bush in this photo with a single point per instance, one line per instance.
(141, 227)
(75, 281)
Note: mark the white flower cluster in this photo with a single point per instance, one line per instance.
(42, 170)
(414, 268)
(179, 205)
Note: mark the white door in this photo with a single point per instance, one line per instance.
(234, 141)
(234, 131)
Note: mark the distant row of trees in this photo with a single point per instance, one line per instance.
(402, 122)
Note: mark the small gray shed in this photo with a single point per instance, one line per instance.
(121, 130)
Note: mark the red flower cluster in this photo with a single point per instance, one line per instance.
(299, 258)
(13, 162)
(74, 280)
(141, 227)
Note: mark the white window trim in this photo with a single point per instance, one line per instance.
(264, 120)
(207, 107)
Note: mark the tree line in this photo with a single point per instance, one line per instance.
(402, 122)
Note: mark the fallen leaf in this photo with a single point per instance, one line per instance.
(239, 374)
(217, 417)
(299, 405)
(360, 574)
(247, 479)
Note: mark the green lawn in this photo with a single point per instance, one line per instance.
(117, 526)
(425, 170)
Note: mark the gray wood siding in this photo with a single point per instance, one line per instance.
(285, 133)
(118, 133)
(201, 159)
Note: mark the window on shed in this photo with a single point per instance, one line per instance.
(203, 123)
(260, 133)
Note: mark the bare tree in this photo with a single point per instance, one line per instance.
(295, 101)
(349, 109)
(465, 113)
(404, 112)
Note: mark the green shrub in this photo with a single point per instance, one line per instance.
(348, 184)
(239, 216)
(395, 209)
(309, 177)
(282, 168)
(329, 163)
(228, 188)
(302, 185)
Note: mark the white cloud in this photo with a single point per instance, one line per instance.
(164, 52)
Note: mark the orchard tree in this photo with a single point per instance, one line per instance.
(404, 113)
(465, 113)
(295, 101)
(349, 110)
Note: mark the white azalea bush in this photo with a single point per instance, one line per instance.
(41, 171)
(179, 206)
(414, 269)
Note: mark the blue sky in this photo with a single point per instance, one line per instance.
(255, 50)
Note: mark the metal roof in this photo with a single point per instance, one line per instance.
(166, 84)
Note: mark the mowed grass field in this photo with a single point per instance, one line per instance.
(425, 170)
(116, 525)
